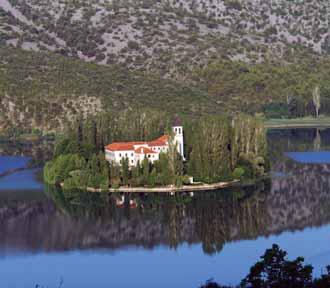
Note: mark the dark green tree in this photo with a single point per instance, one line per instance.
(145, 170)
(125, 172)
(324, 281)
(275, 271)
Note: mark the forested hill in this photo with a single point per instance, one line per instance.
(47, 91)
(181, 56)
(168, 36)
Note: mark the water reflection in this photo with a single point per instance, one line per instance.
(69, 221)
(38, 151)
(288, 140)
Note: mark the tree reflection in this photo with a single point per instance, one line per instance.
(298, 199)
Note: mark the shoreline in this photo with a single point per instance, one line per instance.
(322, 122)
(167, 189)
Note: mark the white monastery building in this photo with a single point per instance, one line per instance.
(136, 151)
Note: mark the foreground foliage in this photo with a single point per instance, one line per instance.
(274, 270)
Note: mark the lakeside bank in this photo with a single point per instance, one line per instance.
(307, 122)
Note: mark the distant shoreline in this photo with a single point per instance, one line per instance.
(321, 122)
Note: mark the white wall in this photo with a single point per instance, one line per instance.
(133, 158)
(178, 138)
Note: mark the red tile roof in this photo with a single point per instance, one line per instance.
(129, 146)
(161, 141)
(123, 146)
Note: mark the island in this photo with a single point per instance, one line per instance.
(152, 151)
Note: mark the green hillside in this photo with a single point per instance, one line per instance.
(272, 88)
(46, 91)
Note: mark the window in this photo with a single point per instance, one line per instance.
(119, 154)
(125, 154)
(179, 130)
(132, 154)
(149, 156)
(132, 161)
(176, 130)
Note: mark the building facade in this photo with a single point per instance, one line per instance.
(137, 151)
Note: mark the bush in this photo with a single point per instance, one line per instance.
(238, 173)
(178, 182)
(246, 162)
(276, 110)
(133, 45)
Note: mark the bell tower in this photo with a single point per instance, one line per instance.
(178, 136)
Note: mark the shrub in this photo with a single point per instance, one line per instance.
(238, 173)
(133, 45)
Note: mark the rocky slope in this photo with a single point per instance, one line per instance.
(169, 36)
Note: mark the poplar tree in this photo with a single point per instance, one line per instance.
(317, 100)
(145, 170)
(124, 171)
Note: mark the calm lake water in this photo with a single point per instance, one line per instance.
(91, 240)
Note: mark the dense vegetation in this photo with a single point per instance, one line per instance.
(45, 92)
(277, 90)
(217, 148)
(49, 92)
(274, 270)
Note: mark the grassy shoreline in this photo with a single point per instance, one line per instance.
(306, 122)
